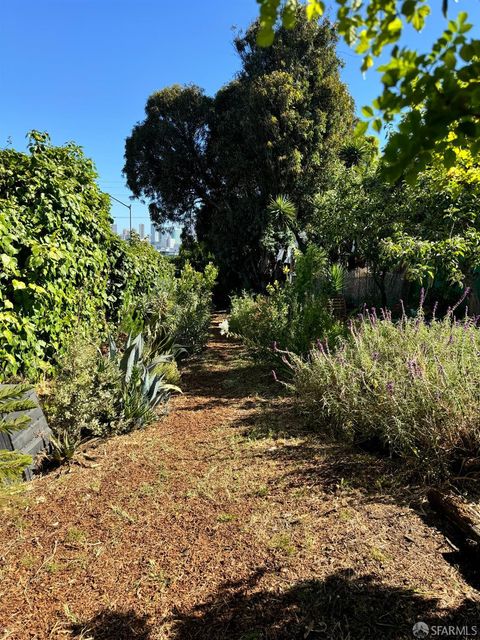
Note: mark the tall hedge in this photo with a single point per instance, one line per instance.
(136, 268)
(60, 263)
(54, 252)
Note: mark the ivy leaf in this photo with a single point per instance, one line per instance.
(8, 261)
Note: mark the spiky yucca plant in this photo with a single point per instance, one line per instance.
(13, 463)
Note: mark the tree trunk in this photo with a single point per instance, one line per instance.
(379, 279)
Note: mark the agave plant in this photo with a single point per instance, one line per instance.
(64, 446)
(142, 387)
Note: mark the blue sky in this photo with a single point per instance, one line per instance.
(83, 69)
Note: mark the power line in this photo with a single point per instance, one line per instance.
(128, 217)
(128, 206)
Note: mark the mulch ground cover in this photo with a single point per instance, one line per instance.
(228, 519)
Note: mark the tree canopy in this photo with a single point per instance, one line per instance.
(216, 162)
(436, 93)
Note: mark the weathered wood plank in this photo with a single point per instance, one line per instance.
(34, 438)
(464, 516)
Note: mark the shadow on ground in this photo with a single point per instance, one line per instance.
(344, 606)
(313, 459)
(113, 625)
(226, 372)
(464, 558)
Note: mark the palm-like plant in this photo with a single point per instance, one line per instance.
(285, 211)
(337, 278)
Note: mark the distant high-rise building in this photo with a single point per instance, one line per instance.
(153, 234)
(126, 234)
(114, 228)
(164, 238)
(141, 230)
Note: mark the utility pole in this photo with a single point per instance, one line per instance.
(129, 207)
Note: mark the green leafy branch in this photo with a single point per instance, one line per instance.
(436, 94)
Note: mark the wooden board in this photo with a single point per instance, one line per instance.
(33, 439)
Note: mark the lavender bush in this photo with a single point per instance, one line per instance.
(415, 384)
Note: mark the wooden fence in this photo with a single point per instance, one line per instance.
(360, 288)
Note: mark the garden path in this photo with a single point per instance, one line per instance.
(226, 520)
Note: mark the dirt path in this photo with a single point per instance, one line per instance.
(226, 520)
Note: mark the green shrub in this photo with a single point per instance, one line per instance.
(190, 314)
(137, 273)
(415, 385)
(101, 393)
(54, 239)
(177, 312)
(280, 320)
(168, 371)
(60, 263)
(83, 400)
(293, 315)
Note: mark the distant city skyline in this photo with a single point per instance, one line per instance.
(167, 242)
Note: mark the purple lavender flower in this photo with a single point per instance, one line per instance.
(390, 386)
(414, 368)
(320, 346)
(422, 298)
(411, 367)
(465, 294)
